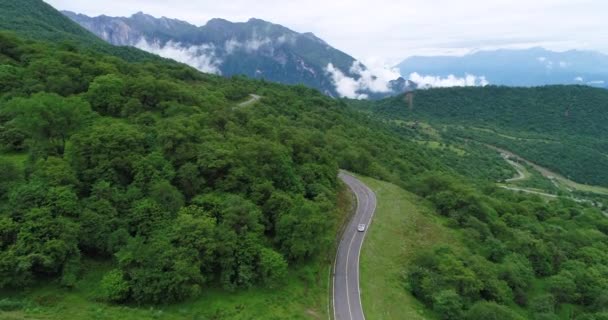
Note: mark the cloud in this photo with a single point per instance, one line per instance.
(250, 45)
(201, 57)
(596, 82)
(286, 38)
(345, 86)
(401, 30)
(374, 78)
(254, 44)
(468, 80)
(579, 79)
(549, 64)
(231, 45)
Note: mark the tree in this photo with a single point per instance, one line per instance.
(152, 169)
(113, 287)
(107, 151)
(272, 268)
(98, 221)
(106, 94)
(9, 175)
(295, 228)
(54, 171)
(167, 196)
(448, 304)
(157, 272)
(49, 118)
(46, 244)
(543, 304)
(8, 232)
(196, 229)
(146, 216)
(563, 286)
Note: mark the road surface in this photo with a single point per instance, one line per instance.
(253, 98)
(518, 167)
(346, 295)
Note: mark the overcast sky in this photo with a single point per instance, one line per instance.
(387, 31)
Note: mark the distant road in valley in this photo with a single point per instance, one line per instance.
(346, 294)
(253, 98)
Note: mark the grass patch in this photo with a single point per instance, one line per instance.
(401, 226)
(304, 296)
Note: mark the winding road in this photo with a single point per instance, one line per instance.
(346, 293)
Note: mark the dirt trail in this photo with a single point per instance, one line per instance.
(554, 177)
(521, 171)
(253, 98)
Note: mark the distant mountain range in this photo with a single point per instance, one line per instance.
(256, 48)
(528, 67)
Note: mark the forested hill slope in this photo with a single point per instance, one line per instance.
(156, 169)
(560, 127)
(578, 110)
(37, 20)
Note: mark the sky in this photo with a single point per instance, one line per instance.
(388, 31)
(382, 33)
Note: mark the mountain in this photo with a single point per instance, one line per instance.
(34, 19)
(529, 67)
(256, 48)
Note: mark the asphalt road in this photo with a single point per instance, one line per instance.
(346, 294)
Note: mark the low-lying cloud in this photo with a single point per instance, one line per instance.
(201, 57)
(469, 80)
(375, 80)
(256, 43)
(550, 64)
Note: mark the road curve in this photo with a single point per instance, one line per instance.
(346, 294)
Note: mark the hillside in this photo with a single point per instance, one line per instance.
(517, 67)
(37, 20)
(559, 127)
(163, 175)
(256, 48)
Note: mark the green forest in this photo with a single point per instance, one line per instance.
(521, 257)
(156, 167)
(559, 127)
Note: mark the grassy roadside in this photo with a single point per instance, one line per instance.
(304, 296)
(401, 226)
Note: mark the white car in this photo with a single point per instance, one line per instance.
(361, 227)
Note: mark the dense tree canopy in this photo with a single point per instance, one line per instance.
(155, 167)
(520, 252)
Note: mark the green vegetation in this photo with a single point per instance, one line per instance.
(35, 19)
(559, 127)
(401, 227)
(136, 188)
(489, 254)
(152, 171)
(530, 258)
(302, 296)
